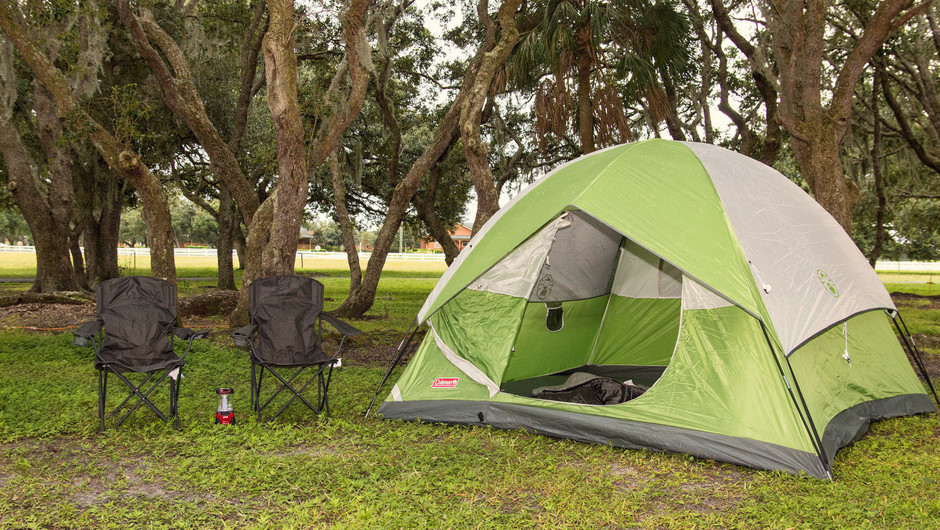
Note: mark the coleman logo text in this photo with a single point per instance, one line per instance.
(445, 382)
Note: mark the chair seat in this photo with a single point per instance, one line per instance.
(282, 365)
(289, 357)
(120, 366)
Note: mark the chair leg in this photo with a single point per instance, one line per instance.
(254, 401)
(326, 391)
(102, 393)
(129, 396)
(174, 398)
(143, 398)
(297, 393)
(256, 391)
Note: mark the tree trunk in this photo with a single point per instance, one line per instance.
(182, 97)
(280, 65)
(53, 262)
(763, 77)
(238, 238)
(427, 214)
(274, 251)
(255, 242)
(227, 225)
(819, 163)
(799, 46)
(360, 300)
(673, 122)
(585, 106)
(392, 11)
(472, 113)
(345, 224)
(78, 262)
(48, 215)
(156, 215)
(58, 272)
(102, 193)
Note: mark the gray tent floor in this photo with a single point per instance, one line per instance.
(640, 375)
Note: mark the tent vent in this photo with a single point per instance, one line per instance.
(554, 317)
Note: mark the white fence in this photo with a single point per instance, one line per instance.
(301, 254)
(881, 266)
(908, 266)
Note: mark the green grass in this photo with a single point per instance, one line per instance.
(56, 470)
(23, 265)
(922, 289)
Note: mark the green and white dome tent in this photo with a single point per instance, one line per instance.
(708, 277)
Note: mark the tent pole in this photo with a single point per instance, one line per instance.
(912, 348)
(812, 424)
(402, 348)
(808, 423)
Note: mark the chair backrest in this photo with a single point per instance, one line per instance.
(138, 312)
(286, 309)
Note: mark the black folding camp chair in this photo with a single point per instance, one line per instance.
(134, 334)
(286, 333)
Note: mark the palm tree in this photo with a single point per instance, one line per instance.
(606, 53)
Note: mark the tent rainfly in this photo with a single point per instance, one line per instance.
(670, 296)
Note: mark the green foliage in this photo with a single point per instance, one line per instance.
(131, 115)
(13, 227)
(192, 224)
(133, 228)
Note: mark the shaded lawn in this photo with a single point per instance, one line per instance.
(57, 471)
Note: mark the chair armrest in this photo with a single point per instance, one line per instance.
(242, 336)
(188, 334)
(340, 326)
(85, 332)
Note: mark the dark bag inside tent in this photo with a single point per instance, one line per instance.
(590, 389)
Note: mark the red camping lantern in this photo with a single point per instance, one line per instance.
(224, 415)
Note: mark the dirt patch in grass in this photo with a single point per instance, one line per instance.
(629, 477)
(713, 489)
(931, 362)
(88, 476)
(213, 303)
(377, 348)
(46, 316)
(368, 354)
(934, 300)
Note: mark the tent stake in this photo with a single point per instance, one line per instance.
(402, 348)
(912, 348)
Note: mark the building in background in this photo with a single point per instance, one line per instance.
(460, 234)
